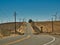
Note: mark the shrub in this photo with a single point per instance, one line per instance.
(30, 20)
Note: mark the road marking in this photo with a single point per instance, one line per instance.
(18, 40)
(50, 41)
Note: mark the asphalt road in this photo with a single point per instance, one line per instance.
(29, 39)
(57, 41)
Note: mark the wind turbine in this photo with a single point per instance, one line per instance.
(56, 15)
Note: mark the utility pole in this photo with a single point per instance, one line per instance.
(52, 25)
(15, 21)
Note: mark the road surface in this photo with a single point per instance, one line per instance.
(29, 39)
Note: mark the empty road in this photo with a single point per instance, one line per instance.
(29, 39)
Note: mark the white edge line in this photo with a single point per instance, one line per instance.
(50, 41)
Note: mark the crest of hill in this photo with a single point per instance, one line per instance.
(10, 25)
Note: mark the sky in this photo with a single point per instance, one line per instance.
(37, 10)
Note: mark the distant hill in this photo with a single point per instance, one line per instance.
(10, 25)
(6, 28)
(9, 28)
(47, 26)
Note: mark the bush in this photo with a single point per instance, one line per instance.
(30, 20)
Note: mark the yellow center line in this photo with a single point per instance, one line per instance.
(18, 40)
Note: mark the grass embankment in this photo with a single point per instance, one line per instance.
(6, 29)
(47, 26)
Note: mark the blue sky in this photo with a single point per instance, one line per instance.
(29, 9)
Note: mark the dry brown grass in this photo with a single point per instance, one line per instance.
(7, 29)
(47, 26)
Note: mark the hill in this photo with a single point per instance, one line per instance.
(47, 26)
(9, 28)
